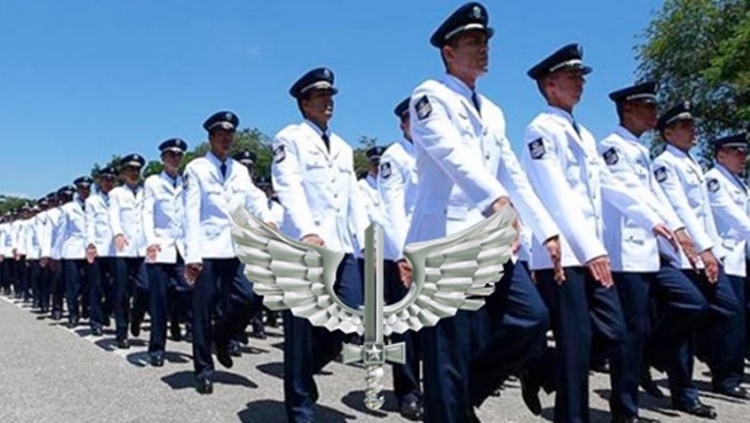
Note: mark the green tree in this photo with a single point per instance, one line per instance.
(8, 203)
(699, 50)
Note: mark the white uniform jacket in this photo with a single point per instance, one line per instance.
(98, 229)
(209, 199)
(125, 208)
(683, 182)
(318, 188)
(164, 216)
(73, 221)
(730, 203)
(570, 178)
(397, 185)
(464, 163)
(631, 247)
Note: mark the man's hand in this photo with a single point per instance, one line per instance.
(555, 254)
(91, 253)
(120, 242)
(600, 270)
(711, 266)
(663, 231)
(404, 272)
(687, 246)
(191, 272)
(151, 252)
(498, 205)
(313, 239)
(44, 262)
(273, 225)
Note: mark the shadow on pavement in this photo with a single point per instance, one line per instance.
(186, 380)
(270, 411)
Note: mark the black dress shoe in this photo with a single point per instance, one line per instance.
(530, 393)
(56, 315)
(157, 361)
(205, 387)
(72, 322)
(175, 331)
(736, 392)
(96, 331)
(123, 344)
(222, 354)
(411, 410)
(648, 385)
(135, 325)
(235, 350)
(471, 416)
(699, 409)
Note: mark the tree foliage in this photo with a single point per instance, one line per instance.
(8, 203)
(699, 50)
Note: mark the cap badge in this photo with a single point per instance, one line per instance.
(477, 12)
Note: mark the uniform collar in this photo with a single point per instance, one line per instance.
(679, 153)
(560, 112)
(317, 129)
(215, 160)
(626, 134)
(408, 146)
(458, 86)
(372, 181)
(729, 175)
(168, 178)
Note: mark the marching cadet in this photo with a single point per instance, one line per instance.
(730, 202)
(33, 251)
(313, 174)
(369, 187)
(44, 233)
(397, 184)
(100, 251)
(467, 170)
(243, 297)
(215, 186)
(4, 254)
(573, 182)
(73, 250)
(637, 269)
(684, 184)
(125, 208)
(56, 238)
(164, 230)
(18, 229)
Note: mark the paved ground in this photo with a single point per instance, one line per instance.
(51, 373)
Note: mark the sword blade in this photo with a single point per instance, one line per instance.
(374, 301)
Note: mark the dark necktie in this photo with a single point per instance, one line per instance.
(475, 100)
(327, 141)
(223, 169)
(577, 129)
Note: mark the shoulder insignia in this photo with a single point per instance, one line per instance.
(713, 185)
(424, 108)
(385, 170)
(279, 154)
(660, 174)
(536, 148)
(611, 157)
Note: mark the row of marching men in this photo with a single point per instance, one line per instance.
(117, 250)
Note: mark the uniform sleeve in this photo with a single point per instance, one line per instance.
(433, 130)
(725, 210)
(287, 182)
(257, 203)
(90, 223)
(524, 199)
(114, 214)
(147, 215)
(665, 207)
(357, 211)
(667, 177)
(626, 199)
(623, 172)
(392, 189)
(60, 233)
(193, 199)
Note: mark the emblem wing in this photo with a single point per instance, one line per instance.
(290, 274)
(453, 273)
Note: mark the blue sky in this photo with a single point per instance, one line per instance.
(83, 80)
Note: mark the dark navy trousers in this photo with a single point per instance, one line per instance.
(245, 303)
(74, 276)
(129, 278)
(167, 292)
(679, 304)
(212, 295)
(308, 349)
(406, 377)
(467, 356)
(580, 307)
(100, 275)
